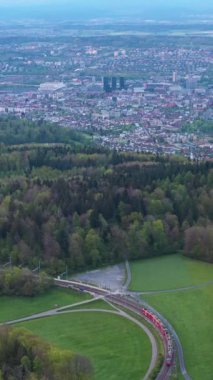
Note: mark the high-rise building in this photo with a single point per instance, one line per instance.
(106, 83)
(174, 77)
(191, 83)
(114, 83)
(122, 83)
(110, 84)
(114, 100)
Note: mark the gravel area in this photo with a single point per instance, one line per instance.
(112, 278)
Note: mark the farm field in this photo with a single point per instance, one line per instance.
(169, 272)
(117, 348)
(189, 311)
(18, 307)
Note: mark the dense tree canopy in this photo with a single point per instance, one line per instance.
(22, 131)
(84, 207)
(199, 126)
(26, 357)
(23, 282)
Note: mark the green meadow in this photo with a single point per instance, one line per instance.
(189, 311)
(117, 348)
(12, 308)
(169, 272)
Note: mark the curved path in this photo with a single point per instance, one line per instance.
(179, 347)
(148, 332)
(149, 292)
(117, 311)
(102, 293)
(118, 298)
(176, 339)
(166, 323)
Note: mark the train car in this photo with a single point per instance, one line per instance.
(170, 351)
(168, 360)
(167, 338)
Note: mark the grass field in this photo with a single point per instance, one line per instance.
(169, 272)
(117, 348)
(189, 311)
(18, 307)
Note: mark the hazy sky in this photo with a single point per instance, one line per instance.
(94, 8)
(187, 3)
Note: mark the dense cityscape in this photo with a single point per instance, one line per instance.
(147, 98)
(106, 189)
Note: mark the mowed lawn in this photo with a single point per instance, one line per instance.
(191, 313)
(169, 272)
(117, 348)
(17, 307)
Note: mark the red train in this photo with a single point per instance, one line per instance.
(125, 302)
(153, 319)
(159, 325)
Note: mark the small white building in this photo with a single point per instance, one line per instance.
(50, 87)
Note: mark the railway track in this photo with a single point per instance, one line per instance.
(122, 301)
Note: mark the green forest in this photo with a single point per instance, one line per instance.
(22, 131)
(199, 126)
(24, 356)
(66, 202)
(22, 282)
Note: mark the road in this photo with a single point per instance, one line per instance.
(150, 292)
(176, 339)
